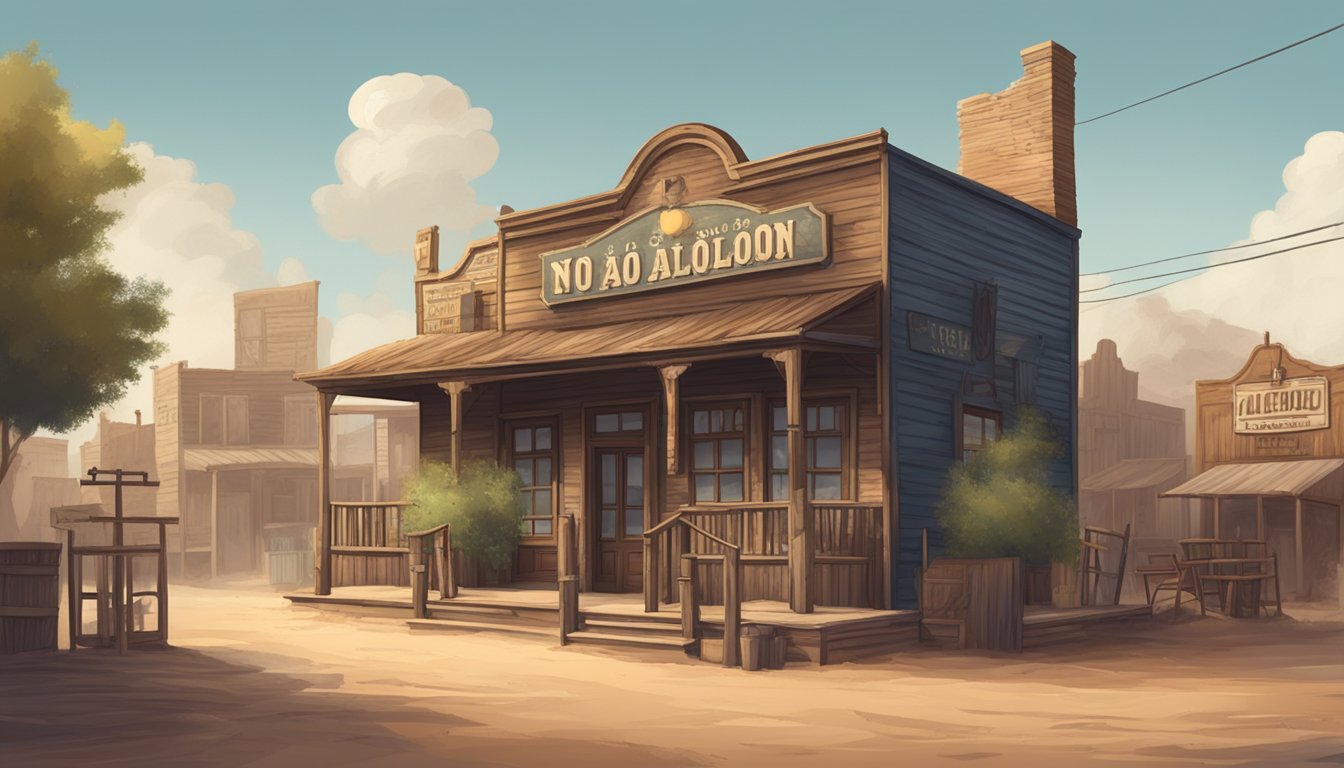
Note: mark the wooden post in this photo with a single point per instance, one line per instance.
(690, 605)
(650, 575)
(443, 562)
(732, 607)
(214, 523)
(801, 534)
(1259, 518)
(671, 376)
(162, 586)
(455, 390)
(567, 578)
(323, 561)
(419, 577)
(1300, 571)
(73, 588)
(1217, 517)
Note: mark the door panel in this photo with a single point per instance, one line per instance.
(618, 503)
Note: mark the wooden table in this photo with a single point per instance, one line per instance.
(1238, 580)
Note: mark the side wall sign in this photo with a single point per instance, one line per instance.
(1296, 405)
(667, 247)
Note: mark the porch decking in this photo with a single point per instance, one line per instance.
(829, 635)
(1046, 626)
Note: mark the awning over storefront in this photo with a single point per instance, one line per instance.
(209, 459)
(1308, 478)
(777, 320)
(1132, 474)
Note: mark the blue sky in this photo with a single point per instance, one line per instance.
(255, 94)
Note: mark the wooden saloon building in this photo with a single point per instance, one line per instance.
(789, 352)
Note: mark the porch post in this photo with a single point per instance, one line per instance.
(801, 534)
(455, 390)
(1260, 518)
(671, 375)
(214, 523)
(324, 403)
(1217, 517)
(1299, 566)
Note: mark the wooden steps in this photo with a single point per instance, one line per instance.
(481, 626)
(631, 639)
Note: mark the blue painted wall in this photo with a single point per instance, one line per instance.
(946, 234)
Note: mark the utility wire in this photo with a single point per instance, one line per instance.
(1127, 295)
(1213, 250)
(1215, 74)
(1197, 269)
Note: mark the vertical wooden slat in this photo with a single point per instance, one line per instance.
(690, 607)
(73, 588)
(732, 606)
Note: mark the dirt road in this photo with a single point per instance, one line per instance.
(253, 681)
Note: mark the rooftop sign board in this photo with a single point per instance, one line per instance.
(1295, 405)
(682, 245)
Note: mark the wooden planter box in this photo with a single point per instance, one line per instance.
(973, 602)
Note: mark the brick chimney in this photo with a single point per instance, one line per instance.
(1020, 140)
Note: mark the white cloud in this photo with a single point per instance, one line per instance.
(367, 321)
(291, 272)
(1206, 326)
(417, 146)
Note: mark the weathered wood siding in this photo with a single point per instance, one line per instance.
(276, 328)
(945, 234)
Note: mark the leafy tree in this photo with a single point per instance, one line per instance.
(484, 506)
(73, 332)
(1000, 503)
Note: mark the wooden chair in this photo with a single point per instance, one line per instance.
(1195, 557)
(1162, 567)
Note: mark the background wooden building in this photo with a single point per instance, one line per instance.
(808, 411)
(1269, 450)
(1129, 452)
(39, 480)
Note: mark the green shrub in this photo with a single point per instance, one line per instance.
(1000, 503)
(484, 507)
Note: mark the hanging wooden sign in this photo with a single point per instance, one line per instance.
(1295, 405)
(681, 245)
(940, 337)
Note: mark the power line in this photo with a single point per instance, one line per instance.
(1127, 295)
(1197, 269)
(1215, 74)
(1213, 250)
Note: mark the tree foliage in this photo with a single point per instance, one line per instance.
(73, 332)
(484, 506)
(1000, 503)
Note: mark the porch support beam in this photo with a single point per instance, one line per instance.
(323, 581)
(1299, 566)
(671, 377)
(455, 390)
(801, 544)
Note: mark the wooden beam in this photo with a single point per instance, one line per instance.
(671, 375)
(1217, 517)
(801, 544)
(323, 543)
(455, 390)
(1300, 571)
(1260, 518)
(214, 524)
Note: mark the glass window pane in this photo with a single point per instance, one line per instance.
(812, 419)
(700, 422)
(542, 438)
(524, 469)
(970, 431)
(704, 455)
(730, 486)
(779, 452)
(522, 440)
(730, 454)
(541, 502)
(632, 422)
(991, 430)
(825, 486)
(737, 420)
(716, 420)
(541, 527)
(525, 527)
(827, 454)
(826, 418)
(634, 522)
(608, 422)
(543, 472)
(779, 419)
(608, 478)
(779, 487)
(608, 523)
(704, 488)
(634, 481)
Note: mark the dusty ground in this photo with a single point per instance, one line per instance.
(252, 681)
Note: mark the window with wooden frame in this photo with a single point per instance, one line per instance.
(534, 456)
(718, 452)
(224, 420)
(826, 446)
(979, 428)
(300, 420)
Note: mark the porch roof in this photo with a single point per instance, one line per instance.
(206, 459)
(1307, 478)
(1131, 474)
(700, 330)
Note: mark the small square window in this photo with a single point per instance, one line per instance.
(608, 422)
(522, 440)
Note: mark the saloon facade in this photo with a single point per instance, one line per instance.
(789, 351)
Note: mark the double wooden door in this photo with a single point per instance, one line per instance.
(616, 514)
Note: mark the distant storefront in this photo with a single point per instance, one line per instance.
(1269, 451)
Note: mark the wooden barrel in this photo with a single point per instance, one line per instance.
(30, 595)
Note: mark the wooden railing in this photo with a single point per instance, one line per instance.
(846, 567)
(364, 544)
(679, 527)
(431, 560)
